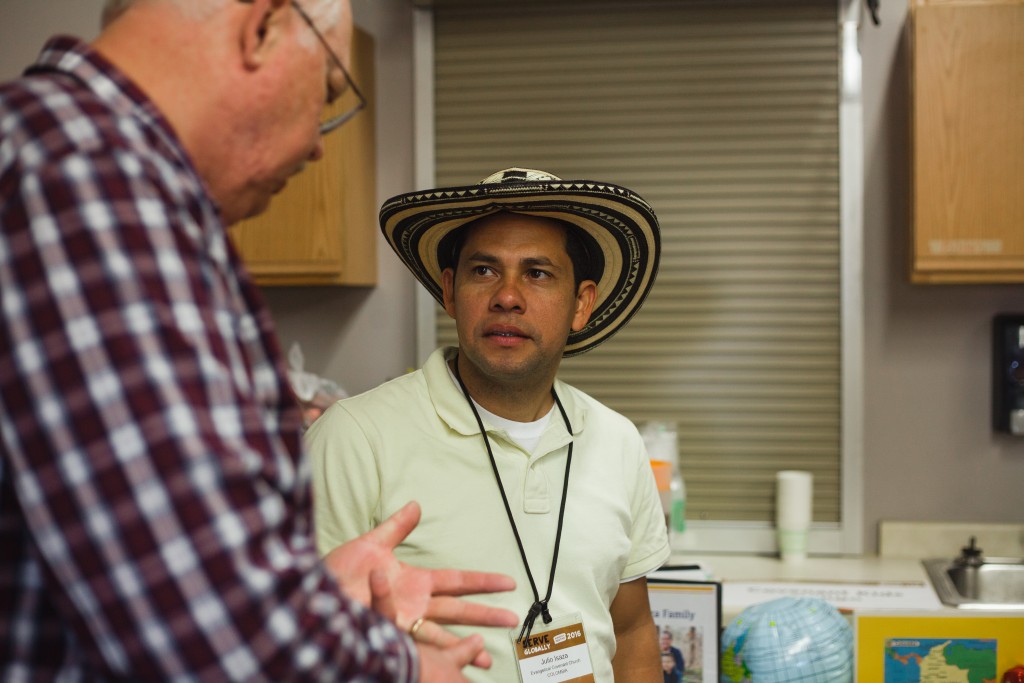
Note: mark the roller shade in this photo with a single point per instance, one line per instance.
(725, 117)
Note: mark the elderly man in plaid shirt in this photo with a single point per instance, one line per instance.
(155, 514)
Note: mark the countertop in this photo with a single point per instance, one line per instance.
(861, 568)
(849, 582)
(894, 579)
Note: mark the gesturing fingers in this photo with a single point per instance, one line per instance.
(450, 610)
(421, 630)
(460, 582)
(439, 665)
(462, 651)
(397, 527)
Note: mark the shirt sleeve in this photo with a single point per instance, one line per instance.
(346, 478)
(650, 546)
(168, 510)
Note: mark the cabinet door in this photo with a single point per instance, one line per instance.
(967, 103)
(322, 228)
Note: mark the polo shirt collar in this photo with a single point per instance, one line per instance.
(452, 408)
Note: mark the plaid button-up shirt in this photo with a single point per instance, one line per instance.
(155, 517)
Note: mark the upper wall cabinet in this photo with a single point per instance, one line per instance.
(967, 132)
(322, 229)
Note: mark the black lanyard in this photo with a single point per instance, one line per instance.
(539, 607)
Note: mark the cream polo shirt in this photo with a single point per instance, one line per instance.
(415, 438)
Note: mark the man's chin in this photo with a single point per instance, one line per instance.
(242, 211)
(509, 368)
(280, 185)
(259, 208)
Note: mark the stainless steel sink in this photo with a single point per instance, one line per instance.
(972, 581)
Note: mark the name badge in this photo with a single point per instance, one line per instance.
(558, 654)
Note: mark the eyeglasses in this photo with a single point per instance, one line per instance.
(332, 121)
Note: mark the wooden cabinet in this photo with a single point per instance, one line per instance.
(322, 229)
(967, 138)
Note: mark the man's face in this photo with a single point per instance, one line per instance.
(282, 136)
(514, 300)
(666, 641)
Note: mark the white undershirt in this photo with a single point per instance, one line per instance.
(526, 434)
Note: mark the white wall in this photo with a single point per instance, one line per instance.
(929, 451)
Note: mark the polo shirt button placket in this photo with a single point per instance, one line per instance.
(536, 498)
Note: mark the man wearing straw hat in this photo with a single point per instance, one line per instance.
(516, 471)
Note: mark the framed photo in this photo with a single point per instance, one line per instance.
(689, 618)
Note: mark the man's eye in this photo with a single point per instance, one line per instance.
(539, 274)
(334, 94)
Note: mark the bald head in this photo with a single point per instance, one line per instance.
(326, 13)
(244, 83)
(112, 9)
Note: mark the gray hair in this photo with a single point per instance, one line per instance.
(325, 13)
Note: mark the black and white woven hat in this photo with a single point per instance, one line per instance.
(618, 228)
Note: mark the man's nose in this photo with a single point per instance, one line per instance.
(508, 296)
(317, 153)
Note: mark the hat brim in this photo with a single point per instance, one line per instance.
(619, 222)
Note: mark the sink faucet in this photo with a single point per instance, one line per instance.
(970, 556)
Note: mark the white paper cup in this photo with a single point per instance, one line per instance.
(792, 544)
(794, 493)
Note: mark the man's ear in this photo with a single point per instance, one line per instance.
(586, 295)
(261, 17)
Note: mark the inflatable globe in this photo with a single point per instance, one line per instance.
(788, 640)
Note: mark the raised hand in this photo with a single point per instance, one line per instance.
(368, 571)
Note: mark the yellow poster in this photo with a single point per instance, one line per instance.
(937, 646)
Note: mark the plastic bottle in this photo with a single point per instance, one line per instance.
(663, 479)
(677, 520)
(661, 441)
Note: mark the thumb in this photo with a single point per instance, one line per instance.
(395, 528)
(382, 598)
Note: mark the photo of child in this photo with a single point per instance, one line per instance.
(681, 654)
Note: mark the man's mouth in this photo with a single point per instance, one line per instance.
(506, 333)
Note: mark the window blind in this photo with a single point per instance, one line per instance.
(724, 115)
